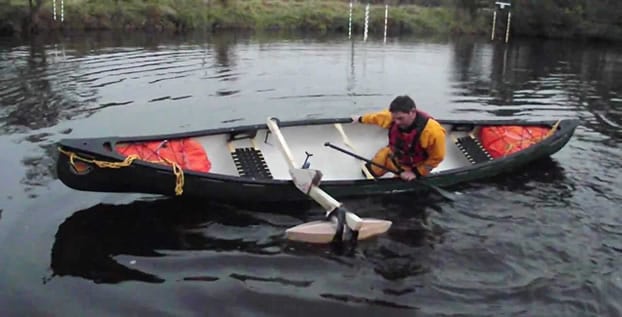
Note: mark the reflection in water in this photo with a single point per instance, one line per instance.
(404, 252)
(351, 78)
(222, 46)
(87, 242)
(463, 60)
(32, 97)
(48, 83)
(225, 62)
(37, 93)
(40, 169)
(523, 77)
(544, 171)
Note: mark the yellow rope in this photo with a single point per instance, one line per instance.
(179, 174)
(177, 170)
(73, 156)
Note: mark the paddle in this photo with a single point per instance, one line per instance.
(445, 194)
(307, 181)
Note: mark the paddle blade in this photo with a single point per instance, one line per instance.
(323, 231)
(445, 194)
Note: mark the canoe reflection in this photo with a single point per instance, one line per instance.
(88, 241)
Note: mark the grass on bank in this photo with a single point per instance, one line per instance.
(186, 15)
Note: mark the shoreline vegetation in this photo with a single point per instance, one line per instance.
(474, 17)
(214, 15)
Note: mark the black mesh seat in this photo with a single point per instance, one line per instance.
(473, 149)
(251, 163)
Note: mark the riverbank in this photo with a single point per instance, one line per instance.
(260, 15)
(573, 20)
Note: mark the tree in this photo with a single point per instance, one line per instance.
(470, 6)
(32, 25)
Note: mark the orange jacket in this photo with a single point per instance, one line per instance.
(432, 139)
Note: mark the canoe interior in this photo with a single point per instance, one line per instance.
(366, 140)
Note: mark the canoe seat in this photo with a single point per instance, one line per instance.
(473, 149)
(250, 163)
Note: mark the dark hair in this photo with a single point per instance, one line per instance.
(402, 104)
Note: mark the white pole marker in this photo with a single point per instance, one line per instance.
(386, 19)
(350, 22)
(366, 22)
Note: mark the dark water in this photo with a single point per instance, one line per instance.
(546, 241)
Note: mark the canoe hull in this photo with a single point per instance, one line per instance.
(151, 178)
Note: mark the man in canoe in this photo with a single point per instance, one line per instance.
(416, 140)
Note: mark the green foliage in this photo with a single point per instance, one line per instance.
(551, 18)
(315, 15)
(569, 18)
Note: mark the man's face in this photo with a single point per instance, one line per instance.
(404, 119)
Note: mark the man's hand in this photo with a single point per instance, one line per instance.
(356, 118)
(408, 176)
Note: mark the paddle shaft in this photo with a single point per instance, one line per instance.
(439, 190)
(362, 158)
(321, 197)
(274, 128)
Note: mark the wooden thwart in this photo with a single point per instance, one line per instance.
(348, 143)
